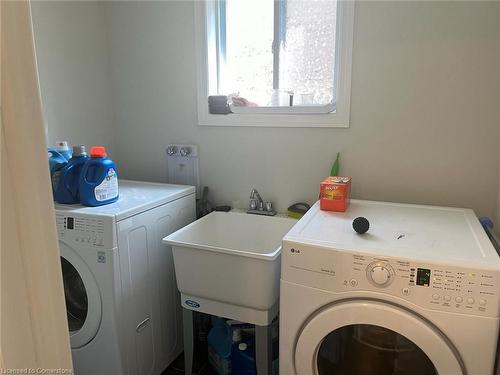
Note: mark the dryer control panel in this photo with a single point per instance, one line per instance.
(431, 286)
(86, 230)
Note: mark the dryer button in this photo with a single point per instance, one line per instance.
(482, 302)
(435, 296)
(447, 298)
(470, 301)
(459, 299)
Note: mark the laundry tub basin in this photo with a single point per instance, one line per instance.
(228, 264)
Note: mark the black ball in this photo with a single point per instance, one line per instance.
(361, 225)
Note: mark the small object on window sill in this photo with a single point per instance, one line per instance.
(218, 105)
(239, 101)
(282, 98)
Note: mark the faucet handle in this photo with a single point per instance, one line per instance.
(269, 206)
(253, 204)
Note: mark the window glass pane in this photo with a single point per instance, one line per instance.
(365, 349)
(307, 50)
(303, 69)
(248, 68)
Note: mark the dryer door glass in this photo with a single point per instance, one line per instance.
(76, 296)
(365, 349)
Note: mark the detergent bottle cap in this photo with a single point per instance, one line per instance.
(98, 152)
(62, 146)
(79, 151)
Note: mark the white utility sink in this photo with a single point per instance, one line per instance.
(228, 264)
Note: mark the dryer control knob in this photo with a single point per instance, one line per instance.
(380, 273)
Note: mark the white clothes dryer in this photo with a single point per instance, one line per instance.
(122, 302)
(418, 294)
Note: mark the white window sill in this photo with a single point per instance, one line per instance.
(282, 110)
(304, 120)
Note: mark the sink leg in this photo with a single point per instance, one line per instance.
(187, 326)
(263, 350)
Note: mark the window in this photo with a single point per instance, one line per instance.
(275, 62)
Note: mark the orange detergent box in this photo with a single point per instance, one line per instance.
(335, 193)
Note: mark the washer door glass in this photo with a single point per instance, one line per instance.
(365, 349)
(83, 297)
(373, 337)
(77, 304)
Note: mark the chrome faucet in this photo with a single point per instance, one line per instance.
(257, 205)
(254, 194)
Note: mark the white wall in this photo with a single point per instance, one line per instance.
(73, 63)
(424, 123)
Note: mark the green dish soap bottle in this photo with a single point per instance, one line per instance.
(336, 166)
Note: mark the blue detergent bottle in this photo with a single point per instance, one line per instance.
(57, 162)
(219, 347)
(98, 179)
(243, 358)
(67, 191)
(63, 148)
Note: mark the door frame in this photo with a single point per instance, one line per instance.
(421, 332)
(34, 333)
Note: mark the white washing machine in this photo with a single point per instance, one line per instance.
(417, 294)
(122, 301)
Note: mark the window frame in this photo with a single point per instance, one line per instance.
(275, 116)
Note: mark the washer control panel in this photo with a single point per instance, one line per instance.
(88, 231)
(431, 286)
